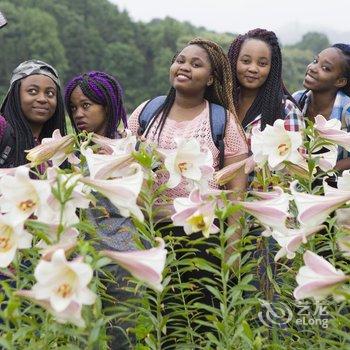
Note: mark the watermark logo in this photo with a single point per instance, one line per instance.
(304, 314)
(275, 314)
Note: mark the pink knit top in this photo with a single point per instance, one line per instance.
(198, 128)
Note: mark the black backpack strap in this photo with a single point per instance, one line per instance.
(148, 112)
(218, 120)
(7, 147)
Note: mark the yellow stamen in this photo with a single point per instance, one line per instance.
(28, 204)
(197, 223)
(182, 166)
(5, 243)
(283, 149)
(64, 290)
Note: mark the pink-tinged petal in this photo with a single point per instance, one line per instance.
(59, 303)
(195, 196)
(318, 213)
(73, 159)
(121, 192)
(146, 265)
(50, 250)
(276, 193)
(267, 215)
(227, 173)
(317, 289)
(331, 130)
(71, 314)
(7, 171)
(319, 265)
(318, 278)
(180, 218)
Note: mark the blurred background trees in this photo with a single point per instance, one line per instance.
(81, 35)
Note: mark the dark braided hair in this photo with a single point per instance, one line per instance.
(268, 102)
(345, 50)
(11, 110)
(220, 92)
(104, 90)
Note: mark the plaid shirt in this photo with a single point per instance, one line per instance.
(293, 120)
(340, 111)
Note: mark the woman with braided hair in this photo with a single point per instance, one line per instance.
(31, 110)
(259, 94)
(199, 75)
(327, 83)
(260, 98)
(94, 104)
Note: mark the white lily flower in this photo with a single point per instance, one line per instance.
(343, 185)
(291, 239)
(318, 278)
(314, 209)
(275, 144)
(67, 241)
(331, 130)
(13, 236)
(146, 265)
(56, 148)
(23, 196)
(123, 145)
(121, 192)
(271, 212)
(195, 214)
(327, 160)
(186, 161)
(71, 314)
(104, 166)
(62, 282)
(78, 198)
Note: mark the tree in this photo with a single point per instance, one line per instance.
(314, 42)
(31, 33)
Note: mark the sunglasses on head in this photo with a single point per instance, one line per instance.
(3, 20)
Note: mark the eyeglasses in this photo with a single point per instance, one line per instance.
(3, 20)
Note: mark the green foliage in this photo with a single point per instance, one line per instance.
(86, 35)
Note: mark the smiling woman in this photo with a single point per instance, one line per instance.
(327, 83)
(32, 109)
(259, 94)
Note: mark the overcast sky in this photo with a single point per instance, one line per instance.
(289, 19)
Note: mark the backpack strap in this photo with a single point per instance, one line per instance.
(217, 117)
(148, 112)
(218, 120)
(7, 144)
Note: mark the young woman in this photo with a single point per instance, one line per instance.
(259, 94)
(327, 84)
(199, 75)
(32, 109)
(94, 103)
(261, 98)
